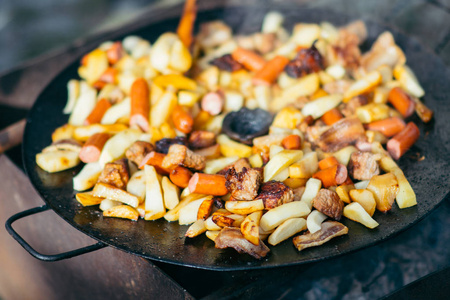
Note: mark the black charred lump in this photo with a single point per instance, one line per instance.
(246, 124)
(306, 62)
(163, 145)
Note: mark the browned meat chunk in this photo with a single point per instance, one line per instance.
(329, 203)
(363, 165)
(232, 237)
(180, 155)
(201, 139)
(116, 173)
(345, 51)
(329, 230)
(238, 165)
(343, 133)
(264, 42)
(274, 193)
(226, 63)
(306, 62)
(349, 109)
(138, 150)
(298, 193)
(314, 132)
(243, 185)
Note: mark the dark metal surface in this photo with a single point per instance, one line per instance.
(163, 241)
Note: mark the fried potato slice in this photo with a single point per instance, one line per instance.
(122, 211)
(88, 199)
(250, 227)
(287, 229)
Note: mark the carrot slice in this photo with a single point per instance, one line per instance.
(402, 141)
(389, 127)
(328, 162)
(186, 26)
(292, 142)
(180, 176)
(140, 104)
(97, 113)
(90, 152)
(249, 59)
(271, 70)
(331, 116)
(401, 101)
(182, 120)
(208, 184)
(332, 176)
(115, 52)
(109, 76)
(155, 159)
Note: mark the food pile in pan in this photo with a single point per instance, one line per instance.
(250, 139)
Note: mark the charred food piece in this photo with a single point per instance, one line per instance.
(180, 155)
(226, 63)
(232, 237)
(238, 165)
(306, 62)
(329, 230)
(329, 203)
(201, 139)
(116, 173)
(275, 193)
(246, 124)
(138, 150)
(243, 185)
(163, 145)
(363, 165)
(343, 133)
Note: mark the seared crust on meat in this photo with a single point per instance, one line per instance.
(328, 230)
(238, 166)
(180, 155)
(232, 237)
(116, 173)
(243, 185)
(343, 133)
(363, 165)
(329, 203)
(138, 150)
(275, 193)
(201, 139)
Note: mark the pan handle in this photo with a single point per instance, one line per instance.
(40, 256)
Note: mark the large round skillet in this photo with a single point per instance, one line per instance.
(163, 241)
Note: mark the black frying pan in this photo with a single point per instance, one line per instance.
(163, 241)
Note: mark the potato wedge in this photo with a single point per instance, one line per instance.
(304, 86)
(122, 211)
(84, 104)
(108, 203)
(73, 92)
(88, 199)
(188, 214)
(287, 229)
(281, 161)
(171, 193)
(355, 212)
(278, 215)
(136, 185)
(83, 133)
(56, 161)
(408, 80)
(210, 225)
(197, 228)
(215, 165)
(212, 234)
(228, 147)
(154, 200)
(314, 221)
(385, 189)
(63, 133)
(111, 192)
(244, 207)
(250, 227)
(320, 106)
(116, 146)
(363, 85)
(87, 177)
(173, 214)
(161, 111)
(312, 188)
(365, 198)
(306, 167)
(343, 155)
(117, 111)
(343, 192)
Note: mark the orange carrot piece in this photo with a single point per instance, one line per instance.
(182, 120)
(332, 176)
(292, 142)
(109, 76)
(249, 59)
(84, 59)
(155, 159)
(401, 101)
(388, 127)
(115, 52)
(140, 104)
(271, 70)
(402, 141)
(328, 162)
(97, 113)
(91, 150)
(331, 116)
(98, 85)
(186, 26)
(208, 184)
(180, 176)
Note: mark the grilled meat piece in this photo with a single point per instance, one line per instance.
(298, 193)
(349, 109)
(232, 237)
(243, 185)
(329, 230)
(226, 63)
(264, 42)
(180, 155)
(306, 62)
(274, 193)
(138, 150)
(345, 51)
(343, 133)
(201, 139)
(329, 203)
(363, 165)
(116, 173)
(238, 165)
